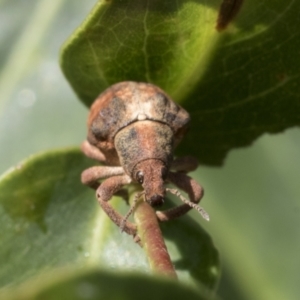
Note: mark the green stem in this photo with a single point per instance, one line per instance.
(152, 240)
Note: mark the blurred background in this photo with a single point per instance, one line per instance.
(253, 200)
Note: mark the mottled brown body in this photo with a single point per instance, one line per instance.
(133, 128)
(126, 103)
(144, 140)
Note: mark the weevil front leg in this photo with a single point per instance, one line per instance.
(92, 151)
(105, 192)
(91, 176)
(191, 187)
(116, 179)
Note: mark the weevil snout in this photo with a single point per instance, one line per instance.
(155, 200)
(151, 174)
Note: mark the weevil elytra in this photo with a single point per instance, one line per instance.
(133, 129)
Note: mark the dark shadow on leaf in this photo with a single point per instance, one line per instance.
(194, 245)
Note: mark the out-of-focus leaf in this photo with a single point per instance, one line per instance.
(34, 95)
(50, 219)
(237, 84)
(99, 285)
(254, 205)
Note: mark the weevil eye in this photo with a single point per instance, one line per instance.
(164, 173)
(139, 177)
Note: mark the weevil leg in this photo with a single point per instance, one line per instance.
(105, 192)
(191, 187)
(185, 164)
(91, 176)
(92, 151)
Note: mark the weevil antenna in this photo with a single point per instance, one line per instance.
(201, 210)
(137, 196)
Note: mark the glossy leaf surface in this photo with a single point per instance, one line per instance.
(50, 219)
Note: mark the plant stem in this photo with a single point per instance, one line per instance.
(152, 240)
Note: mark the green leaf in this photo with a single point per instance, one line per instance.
(254, 205)
(73, 284)
(237, 84)
(253, 201)
(151, 41)
(50, 219)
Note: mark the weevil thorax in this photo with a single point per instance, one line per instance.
(145, 150)
(137, 125)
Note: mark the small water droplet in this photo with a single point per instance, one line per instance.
(26, 98)
(86, 290)
(19, 167)
(142, 117)
(214, 270)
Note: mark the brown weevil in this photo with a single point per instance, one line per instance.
(133, 129)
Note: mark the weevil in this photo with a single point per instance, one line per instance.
(133, 129)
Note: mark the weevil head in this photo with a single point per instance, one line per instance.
(151, 174)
